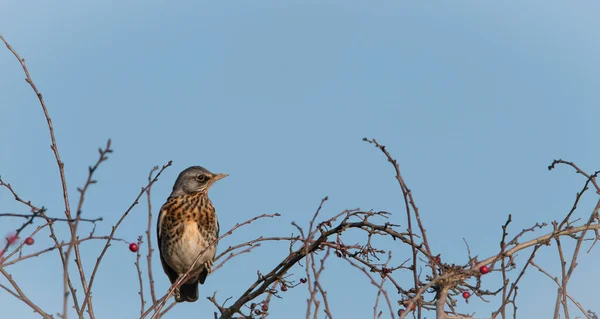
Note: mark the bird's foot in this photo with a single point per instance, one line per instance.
(178, 295)
(208, 265)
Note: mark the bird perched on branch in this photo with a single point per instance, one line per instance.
(188, 227)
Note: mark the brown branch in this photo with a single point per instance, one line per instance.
(9, 291)
(374, 283)
(167, 309)
(139, 273)
(310, 262)
(75, 225)
(264, 308)
(51, 219)
(583, 311)
(540, 240)
(409, 200)
(112, 234)
(264, 281)
(21, 296)
(15, 236)
(503, 267)
(513, 288)
(565, 279)
(41, 212)
(252, 243)
(36, 254)
(317, 274)
(54, 147)
(233, 255)
(149, 237)
(578, 170)
(440, 303)
(162, 301)
(61, 167)
(18, 248)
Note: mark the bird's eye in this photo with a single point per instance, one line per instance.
(201, 178)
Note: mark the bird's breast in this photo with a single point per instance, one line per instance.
(188, 225)
(183, 250)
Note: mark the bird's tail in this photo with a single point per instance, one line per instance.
(188, 292)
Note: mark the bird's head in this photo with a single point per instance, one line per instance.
(195, 179)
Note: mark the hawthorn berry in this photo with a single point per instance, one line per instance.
(405, 304)
(303, 280)
(438, 259)
(466, 294)
(264, 307)
(283, 288)
(484, 269)
(11, 239)
(29, 241)
(133, 247)
(400, 312)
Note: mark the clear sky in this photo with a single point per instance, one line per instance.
(474, 98)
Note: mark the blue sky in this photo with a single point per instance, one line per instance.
(474, 98)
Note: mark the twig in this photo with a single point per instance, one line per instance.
(51, 219)
(36, 254)
(112, 234)
(149, 237)
(20, 295)
(139, 273)
(162, 301)
(583, 311)
(75, 225)
(61, 168)
(374, 283)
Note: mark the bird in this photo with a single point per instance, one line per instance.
(187, 225)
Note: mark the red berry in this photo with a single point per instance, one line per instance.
(303, 280)
(29, 241)
(400, 312)
(484, 270)
(438, 259)
(466, 294)
(264, 307)
(283, 288)
(133, 247)
(411, 308)
(11, 239)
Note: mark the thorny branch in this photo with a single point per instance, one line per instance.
(61, 168)
(112, 234)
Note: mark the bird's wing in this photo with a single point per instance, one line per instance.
(168, 270)
(218, 231)
(205, 271)
(161, 216)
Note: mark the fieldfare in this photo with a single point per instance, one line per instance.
(187, 225)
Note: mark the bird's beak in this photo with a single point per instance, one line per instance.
(219, 176)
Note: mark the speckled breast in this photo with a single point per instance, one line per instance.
(189, 226)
